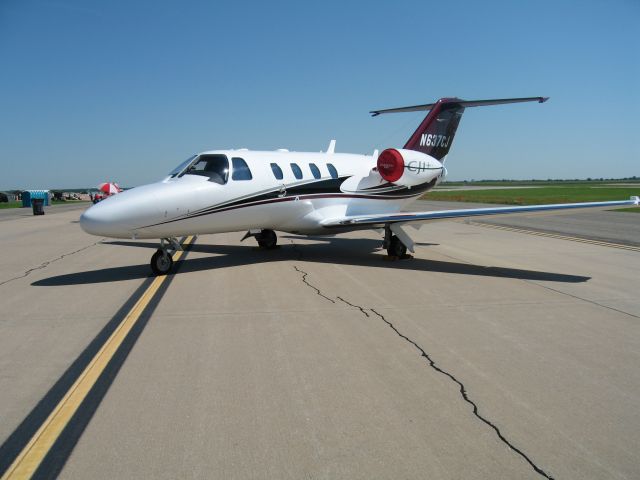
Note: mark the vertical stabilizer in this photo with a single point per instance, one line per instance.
(434, 135)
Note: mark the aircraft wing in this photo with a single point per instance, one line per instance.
(380, 220)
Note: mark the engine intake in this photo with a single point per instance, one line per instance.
(408, 167)
(391, 165)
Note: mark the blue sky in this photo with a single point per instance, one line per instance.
(124, 91)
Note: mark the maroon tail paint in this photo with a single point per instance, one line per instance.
(435, 134)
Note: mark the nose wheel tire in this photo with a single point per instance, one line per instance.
(396, 248)
(267, 239)
(161, 262)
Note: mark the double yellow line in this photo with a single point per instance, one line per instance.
(27, 462)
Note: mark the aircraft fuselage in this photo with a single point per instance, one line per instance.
(327, 185)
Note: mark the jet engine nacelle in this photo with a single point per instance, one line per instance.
(408, 167)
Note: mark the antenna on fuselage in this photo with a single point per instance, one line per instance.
(332, 147)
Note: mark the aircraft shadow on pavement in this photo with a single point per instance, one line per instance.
(336, 250)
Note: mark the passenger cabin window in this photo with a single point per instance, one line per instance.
(214, 167)
(277, 171)
(332, 171)
(315, 171)
(296, 171)
(240, 169)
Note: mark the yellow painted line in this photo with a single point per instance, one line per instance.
(556, 235)
(34, 452)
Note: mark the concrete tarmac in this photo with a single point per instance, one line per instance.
(321, 359)
(602, 224)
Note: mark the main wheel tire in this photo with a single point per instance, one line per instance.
(161, 263)
(396, 248)
(267, 239)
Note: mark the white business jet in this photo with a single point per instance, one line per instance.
(299, 192)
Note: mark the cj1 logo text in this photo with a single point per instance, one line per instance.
(420, 166)
(432, 140)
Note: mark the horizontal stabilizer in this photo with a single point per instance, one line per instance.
(462, 103)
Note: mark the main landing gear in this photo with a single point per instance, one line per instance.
(266, 238)
(396, 248)
(162, 261)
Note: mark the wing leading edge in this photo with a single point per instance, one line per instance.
(407, 217)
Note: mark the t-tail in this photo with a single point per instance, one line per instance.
(434, 135)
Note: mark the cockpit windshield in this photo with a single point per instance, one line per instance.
(213, 166)
(174, 173)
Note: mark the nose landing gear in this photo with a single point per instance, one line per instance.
(162, 260)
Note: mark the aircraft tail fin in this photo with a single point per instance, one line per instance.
(434, 135)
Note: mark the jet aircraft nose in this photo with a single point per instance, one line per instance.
(98, 220)
(94, 221)
(120, 215)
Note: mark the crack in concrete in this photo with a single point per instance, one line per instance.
(465, 396)
(432, 364)
(305, 274)
(304, 280)
(354, 306)
(49, 262)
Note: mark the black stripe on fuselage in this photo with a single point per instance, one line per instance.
(321, 189)
(331, 185)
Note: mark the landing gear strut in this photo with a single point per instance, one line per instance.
(162, 261)
(266, 238)
(393, 244)
(396, 248)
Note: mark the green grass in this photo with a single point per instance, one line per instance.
(630, 210)
(4, 205)
(65, 202)
(518, 183)
(537, 196)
